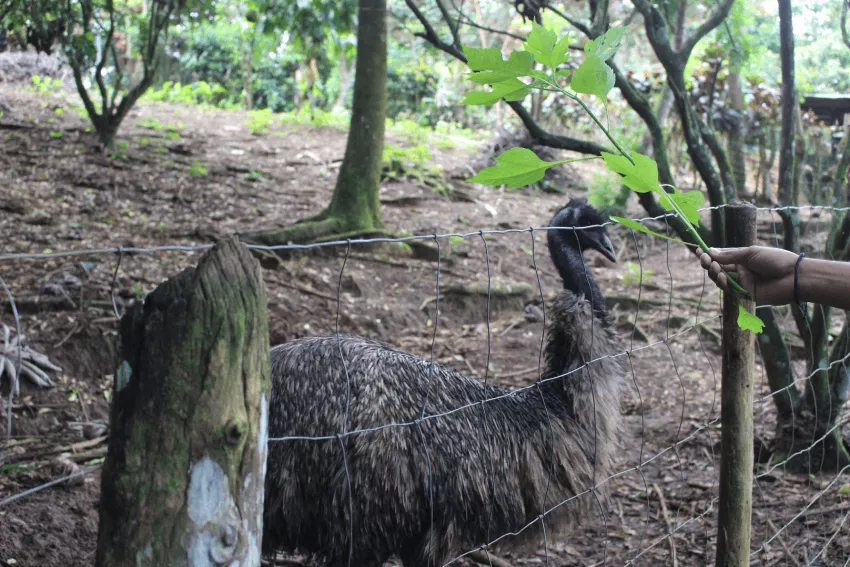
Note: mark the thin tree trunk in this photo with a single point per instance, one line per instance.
(762, 142)
(736, 148)
(790, 218)
(799, 157)
(767, 179)
(354, 206)
(777, 365)
(355, 197)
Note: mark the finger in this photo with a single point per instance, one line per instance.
(747, 280)
(722, 282)
(730, 255)
(714, 270)
(705, 260)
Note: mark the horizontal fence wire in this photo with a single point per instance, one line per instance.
(699, 323)
(347, 242)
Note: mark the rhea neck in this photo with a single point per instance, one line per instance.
(567, 256)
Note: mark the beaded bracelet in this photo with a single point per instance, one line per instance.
(801, 305)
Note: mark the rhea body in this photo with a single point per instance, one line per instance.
(427, 490)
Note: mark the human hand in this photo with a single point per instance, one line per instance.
(766, 273)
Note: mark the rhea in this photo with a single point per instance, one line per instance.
(423, 463)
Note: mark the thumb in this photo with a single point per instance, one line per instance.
(729, 255)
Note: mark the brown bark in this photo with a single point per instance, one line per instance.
(736, 411)
(737, 150)
(790, 219)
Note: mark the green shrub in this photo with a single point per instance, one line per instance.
(259, 121)
(200, 93)
(197, 169)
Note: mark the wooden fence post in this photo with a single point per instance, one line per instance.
(183, 480)
(736, 412)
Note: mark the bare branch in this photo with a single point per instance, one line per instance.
(545, 138)
(845, 7)
(658, 33)
(467, 21)
(716, 18)
(538, 134)
(573, 22)
(452, 27)
(599, 17)
(430, 35)
(98, 71)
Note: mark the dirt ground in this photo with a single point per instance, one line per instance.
(211, 177)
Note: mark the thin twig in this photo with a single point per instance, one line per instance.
(486, 558)
(781, 541)
(666, 515)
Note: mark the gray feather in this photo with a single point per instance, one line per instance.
(494, 467)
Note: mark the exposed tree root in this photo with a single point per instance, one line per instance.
(806, 449)
(312, 230)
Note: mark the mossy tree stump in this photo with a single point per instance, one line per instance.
(183, 480)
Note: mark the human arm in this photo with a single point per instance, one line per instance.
(768, 274)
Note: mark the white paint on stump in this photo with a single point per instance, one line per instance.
(209, 493)
(123, 375)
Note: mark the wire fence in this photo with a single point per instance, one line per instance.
(664, 493)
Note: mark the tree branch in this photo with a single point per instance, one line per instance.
(452, 27)
(98, 71)
(716, 18)
(545, 138)
(575, 23)
(538, 134)
(467, 21)
(599, 17)
(658, 34)
(845, 5)
(431, 36)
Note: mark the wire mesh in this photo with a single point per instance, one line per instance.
(664, 493)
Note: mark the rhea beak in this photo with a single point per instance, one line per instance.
(606, 248)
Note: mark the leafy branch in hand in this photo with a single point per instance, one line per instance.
(518, 167)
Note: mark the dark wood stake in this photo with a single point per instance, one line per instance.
(736, 412)
(183, 480)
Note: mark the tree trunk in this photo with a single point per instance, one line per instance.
(736, 148)
(736, 411)
(777, 365)
(790, 218)
(183, 481)
(354, 207)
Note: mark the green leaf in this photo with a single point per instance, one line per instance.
(689, 203)
(520, 62)
(629, 223)
(642, 176)
(749, 321)
(540, 43)
(593, 77)
(606, 45)
(517, 65)
(517, 167)
(483, 59)
(844, 490)
(512, 89)
(561, 51)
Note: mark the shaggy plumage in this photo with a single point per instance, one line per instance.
(429, 490)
